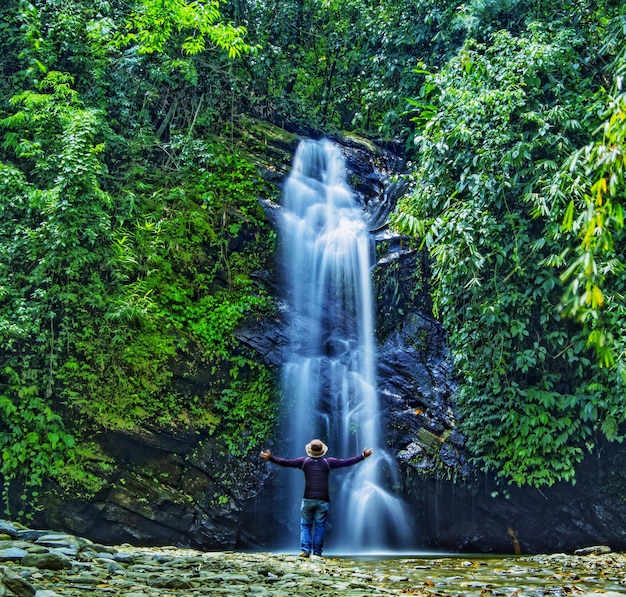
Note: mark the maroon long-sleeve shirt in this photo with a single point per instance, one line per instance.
(316, 472)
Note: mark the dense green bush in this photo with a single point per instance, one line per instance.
(494, 128)
(126, 247)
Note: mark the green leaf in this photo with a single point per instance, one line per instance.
(568, 216)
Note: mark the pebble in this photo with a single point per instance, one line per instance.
(46, 564)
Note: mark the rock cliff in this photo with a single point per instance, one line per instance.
(180, 489)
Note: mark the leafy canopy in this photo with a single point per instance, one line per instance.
(153, 23)
(594, 180)
(126, 247)
(494, 127)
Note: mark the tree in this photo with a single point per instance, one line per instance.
(53, 237)
(335, 65)
(154, 25)
(99, 201)
(494, 125)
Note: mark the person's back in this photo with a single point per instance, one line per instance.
(315, 502)
(316, 476)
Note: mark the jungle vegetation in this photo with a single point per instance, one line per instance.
(130, 227)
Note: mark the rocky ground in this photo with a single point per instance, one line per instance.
(38, 563)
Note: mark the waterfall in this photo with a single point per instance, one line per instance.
(329, 379)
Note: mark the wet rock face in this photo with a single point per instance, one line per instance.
(166, 490)
(414, 375)
(457, 508)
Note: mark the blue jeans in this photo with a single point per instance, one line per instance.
(313, 511)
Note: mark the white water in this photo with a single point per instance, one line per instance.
(329, 381)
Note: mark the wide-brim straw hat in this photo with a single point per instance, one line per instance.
(316, 448)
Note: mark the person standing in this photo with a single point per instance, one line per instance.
(316, 499)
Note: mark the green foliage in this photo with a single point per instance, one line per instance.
(247, 407)
(494, 126)
(153, 23)
(84, 471)
(118, 378)
(182, 260)
(123, 276)
(54, 227)
(53, 234)
(593, 183)
(33, 440)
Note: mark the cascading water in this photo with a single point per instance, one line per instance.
(329, 380)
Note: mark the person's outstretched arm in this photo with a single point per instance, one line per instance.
(293, 463)
(341, 462)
